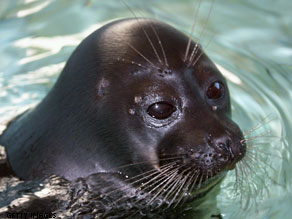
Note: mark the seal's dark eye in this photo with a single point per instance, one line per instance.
(161, 110)
(216, 90)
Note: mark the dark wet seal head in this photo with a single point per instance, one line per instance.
(178, 105)
(136, 96)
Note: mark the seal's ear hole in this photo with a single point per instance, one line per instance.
(215, 90)
(161, 110)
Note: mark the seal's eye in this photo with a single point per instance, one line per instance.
(216, 90)
(161, 110)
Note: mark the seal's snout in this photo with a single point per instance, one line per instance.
(226, 149)
(207, 154)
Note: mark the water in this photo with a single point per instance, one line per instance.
(250, 40)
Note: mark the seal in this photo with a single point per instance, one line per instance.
(136, 98)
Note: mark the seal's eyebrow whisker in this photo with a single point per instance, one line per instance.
(160, 43)
(131, 62)
(206, 20)
(202, 52)
(197, 47)
(192, 31)
(145, 33)
(140, 54)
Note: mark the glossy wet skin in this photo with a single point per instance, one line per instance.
(197, 124)
(116, 103)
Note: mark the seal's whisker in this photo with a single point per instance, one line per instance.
(134, 164)
(254, 153)
(250, 190)
(168, 179)
(160, 43)
(145, 33)
(179, 189)
(196, 48)
(158, 178)
(261, 137)
(238, 178)
(254, 161)
(163, 174)
(164, 168)
(252, 186)
(207, 19)
(171, 182)
(200, 182)
(172, 154)
(189, 186)
(173, 185)
(196, 175)
(201, 53)
(192, 31)
(131, 62)
(140, 54)
(260, 124)
(165, 184)
(184, 188)
(239, 182)
(244, 182)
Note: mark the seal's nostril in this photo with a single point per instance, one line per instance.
(221, 146)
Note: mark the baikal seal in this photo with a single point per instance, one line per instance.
(138, 124)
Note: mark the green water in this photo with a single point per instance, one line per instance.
(250, 40)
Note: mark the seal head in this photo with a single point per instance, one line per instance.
(133, 96)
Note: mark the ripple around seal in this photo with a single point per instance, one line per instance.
(252, 43)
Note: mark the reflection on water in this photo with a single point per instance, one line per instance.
(250, 40)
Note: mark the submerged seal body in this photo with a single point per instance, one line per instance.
(139, 98)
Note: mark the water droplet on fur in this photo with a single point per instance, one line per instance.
(138, 99)
(131, 111)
